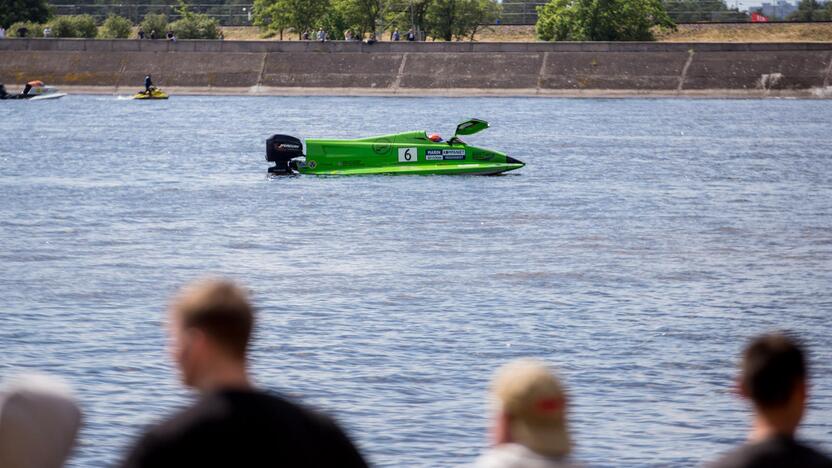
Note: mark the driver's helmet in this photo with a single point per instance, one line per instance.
(435, 137)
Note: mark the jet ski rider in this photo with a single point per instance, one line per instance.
(148, 83)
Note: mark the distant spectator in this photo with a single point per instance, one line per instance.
(232, 424)
(222, 35)
(152, 34)
(348, 35)
(321, 35)
(395, 36)
(305, 36)
(47, 32)
(371, 40)
(2, 32)
(530, 427)
(141, 33)
(411, 36)
(774, 377)
(23, 32)
(39, 420)
(169, 35)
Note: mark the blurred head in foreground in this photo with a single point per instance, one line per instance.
(210, 327)
(39, 420)
(773, 376)
(531, 408)
(232, 423)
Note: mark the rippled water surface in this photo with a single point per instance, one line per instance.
(642, 244)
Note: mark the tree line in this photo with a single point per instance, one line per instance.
(440, 19)
(558, 20)
(35, 16)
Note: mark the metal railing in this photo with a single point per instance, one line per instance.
(228, 15)
(515, 12)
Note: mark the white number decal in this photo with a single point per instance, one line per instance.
(408, 154)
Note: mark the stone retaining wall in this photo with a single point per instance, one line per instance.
(269, 67)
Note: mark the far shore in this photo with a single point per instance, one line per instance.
(127, 91)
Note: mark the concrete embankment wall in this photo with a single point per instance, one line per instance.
(457, 68)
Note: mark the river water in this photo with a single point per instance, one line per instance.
(642, 245)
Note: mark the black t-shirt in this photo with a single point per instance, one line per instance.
(776, 452)
(245, 429)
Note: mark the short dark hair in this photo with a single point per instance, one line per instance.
(772, 366)
(220, 309)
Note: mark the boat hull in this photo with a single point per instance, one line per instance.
(425, 169)
(402, 154)
(408, 153)
(155, 94)
(41, 97)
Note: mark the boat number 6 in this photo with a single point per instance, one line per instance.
(407, 154)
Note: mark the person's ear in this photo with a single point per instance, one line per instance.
(740, 389)
(197, 340)
(502, 428)
(802, 390)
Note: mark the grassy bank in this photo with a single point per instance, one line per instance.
(742, 32)
(748, 32)
(745, 32)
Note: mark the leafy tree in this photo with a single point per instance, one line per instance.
(33, 29)
(298, 15)
(367, 16)
(73, 26)
(155, 22)
(335, 23)
(116, 27)
(83, 26)
(413, 14)
(62, 26)
(475, 13)
(810, 10)
(192, 25)
(601, 20)
(14, 11)
(270, 15)
(369, 13)
(196, 26)
(448, 19)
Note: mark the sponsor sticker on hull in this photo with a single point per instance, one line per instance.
(433, 155)
(445, 155)
(453, 154)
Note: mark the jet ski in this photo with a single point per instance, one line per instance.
(155, 93)
(34, 90)
(415, 153)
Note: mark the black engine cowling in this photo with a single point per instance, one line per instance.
(281, 149)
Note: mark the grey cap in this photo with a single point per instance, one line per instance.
(39, 420)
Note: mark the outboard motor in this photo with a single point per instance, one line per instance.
(281, 149)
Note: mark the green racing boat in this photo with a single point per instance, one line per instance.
(415, 153)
